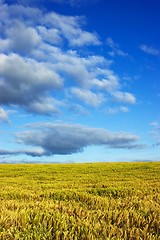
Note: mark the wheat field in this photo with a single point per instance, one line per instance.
(92, 201)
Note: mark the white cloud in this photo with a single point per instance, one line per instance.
(18, 70)
(124, 97)
(78, 109)
(109, 81)
(116, 110)
(70, 28)
(11, 13)
(91, 71)
(80, 38)
(24, 81)
(45, 106)
(124, 109)
(22, 39)
(115, 48)
(88, 97)
(149, 50)
(51, 36)
(47, 58)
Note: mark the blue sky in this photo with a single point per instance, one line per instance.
(79, 80)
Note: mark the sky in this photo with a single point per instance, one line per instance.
(79, 81)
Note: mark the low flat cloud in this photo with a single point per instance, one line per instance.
(33, 153)
(63, 139)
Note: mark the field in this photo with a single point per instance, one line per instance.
(96, 201)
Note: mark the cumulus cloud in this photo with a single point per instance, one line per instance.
(124, 97)
(88, 97)
(149, 50)
(11, 14)
(70, 27)
(46, 106)
(22, 39)
(40, 56)
(24, 81)
(51, 139)
(78, 109)
(114, 110)
(115, 49)
(109, 83)
(51, 36)
(13, 18)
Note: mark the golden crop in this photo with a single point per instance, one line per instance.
(98, 201)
